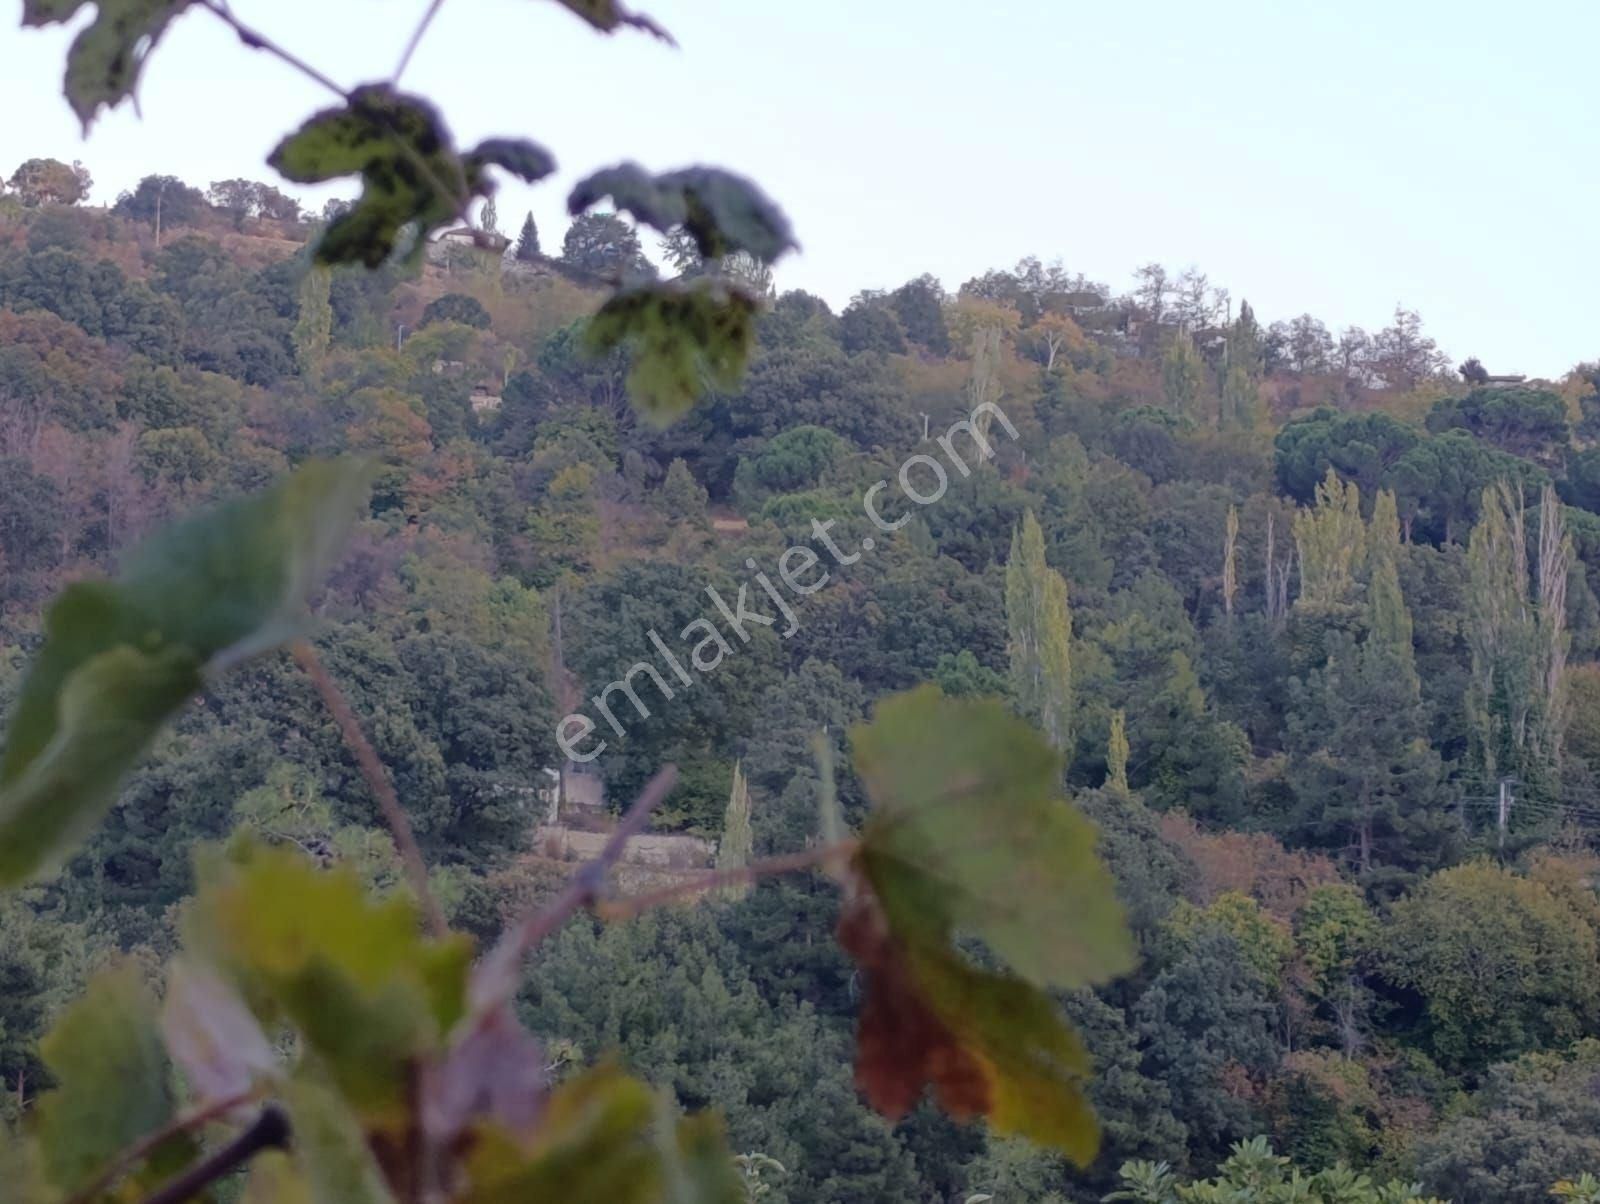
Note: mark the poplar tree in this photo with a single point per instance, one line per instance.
(313, 329)
(1518, 637)
(1117, 754)
(1230, 562)
(1039, 624)
(738, 839)
(1389, 630)
(1330, 539)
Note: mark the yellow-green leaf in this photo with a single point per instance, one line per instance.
(332, 1163)
(369, 994)
(970, 833)
(594, 1147)
(106, 1056)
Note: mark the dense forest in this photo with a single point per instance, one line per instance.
(1311, 615)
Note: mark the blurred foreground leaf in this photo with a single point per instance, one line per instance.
(121, 657)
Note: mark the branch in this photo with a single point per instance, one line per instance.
(137, 1152)
(259, 41)
(633, 905)
(377, 778)
(495, 979)
(269, 1132)
(416, 40)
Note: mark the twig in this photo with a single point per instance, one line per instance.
(377, 778)
(633, 905)
(257, 40)
(137, 1152)
(495, 979)
(270, 1132)
(416, 40)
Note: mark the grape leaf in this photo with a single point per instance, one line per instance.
(592, 1148)
(988, 1045)
(110, 711)
(411, 172)
(106, 58)
(121, 657)
(680, 338)
(969, 834)
(370, 996)
(723, 212)
(609, 15)
(106, 1055)
(211, 1035)
(697, 1165)
(276, 1179)
(332, 1164)
(495, 1070)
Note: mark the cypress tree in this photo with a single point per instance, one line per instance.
(528, 241)
(1039, 624)
(738, 839)
(1117, 754)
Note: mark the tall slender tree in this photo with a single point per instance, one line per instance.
(1519, 641)
(738, 838)
(1117, 753)
(1039, 624)
(528, 241)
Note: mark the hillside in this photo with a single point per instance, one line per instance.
(1320, 647)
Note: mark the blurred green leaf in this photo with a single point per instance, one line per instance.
(680, 338)
(107, 56)
(105, 1053)
(332, 1163)
(368, 993)
(275, 1178)
(723, 212)
(108, 713)
(121, 657)
(610, 15)
(697, 1165)
(970, 833)
(593, 1147)
(411, 172)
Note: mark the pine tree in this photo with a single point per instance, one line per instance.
(1039, 623)
(738, 838)
(1117, 754)
(313, 330)
(528, 241)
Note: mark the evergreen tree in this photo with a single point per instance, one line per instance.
(1039, 624)
(528, 241)
(313, 331)
(1117, 754)
(738, 838)
(489, 217)
(1230, 561)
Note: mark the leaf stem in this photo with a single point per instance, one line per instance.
(377, 779)
(416, 40)
(269, 1132)
(788, 863)
(257, 40)
(495, 979)
(137, 1152)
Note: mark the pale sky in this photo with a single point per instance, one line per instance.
(1335, 158)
